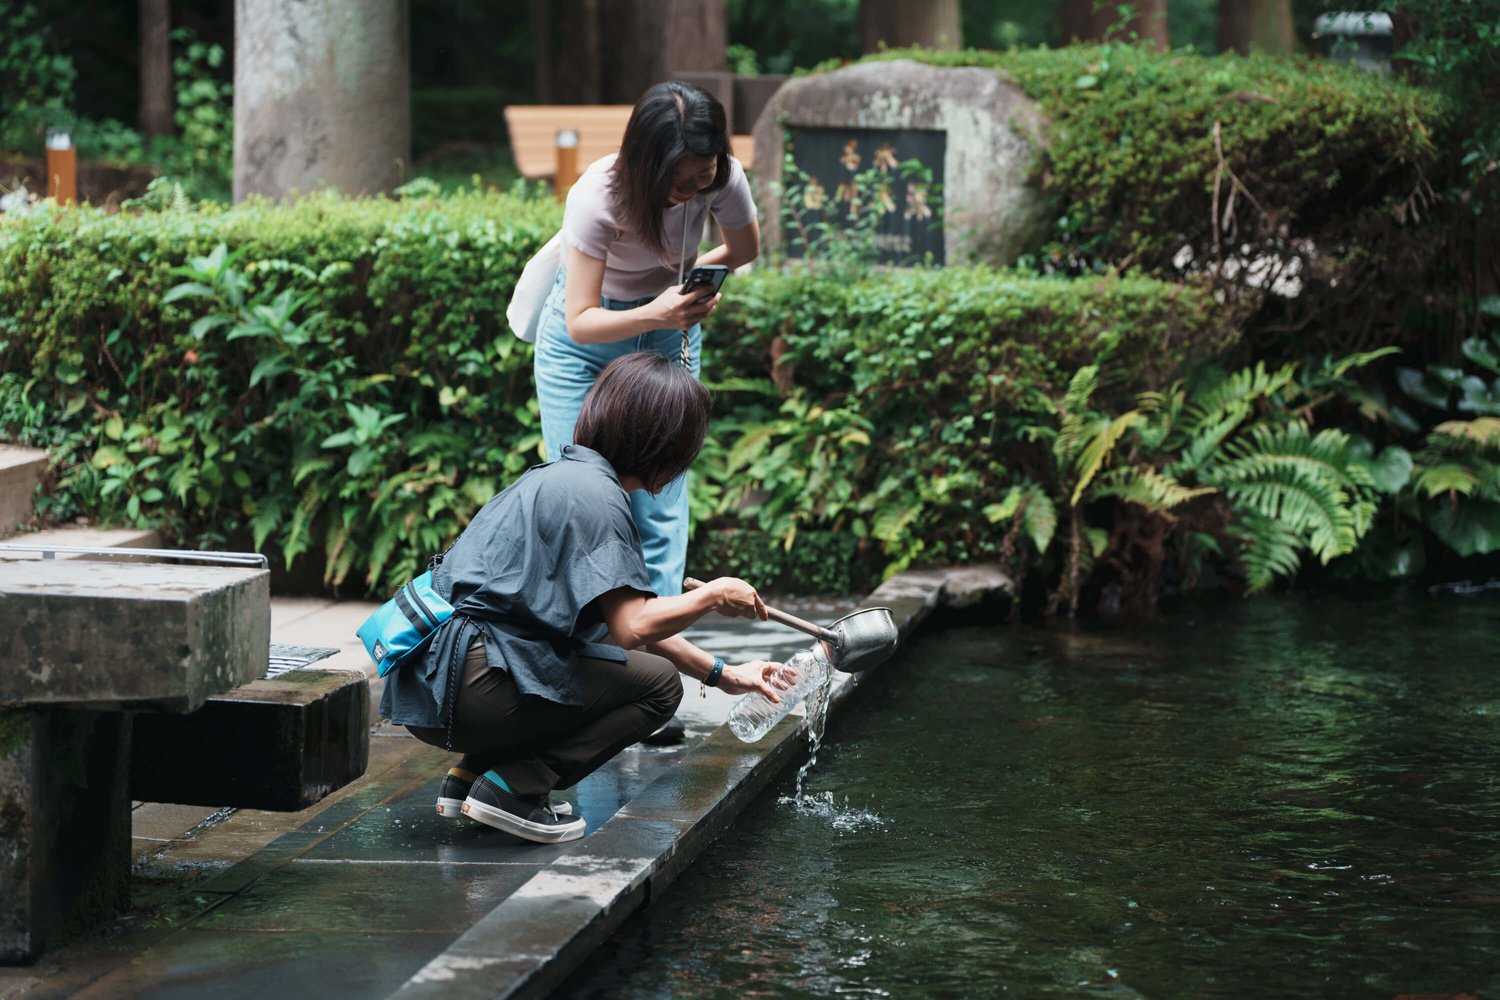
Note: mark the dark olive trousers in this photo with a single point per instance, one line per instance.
(538, 745)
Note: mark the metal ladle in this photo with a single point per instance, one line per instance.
(858, 641)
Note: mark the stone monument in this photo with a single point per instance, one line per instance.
(941, 164)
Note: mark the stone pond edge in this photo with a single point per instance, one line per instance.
(547, 929)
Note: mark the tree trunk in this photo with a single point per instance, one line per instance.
(326, 105)
(541, 50)
(1081, 22)
(1256, 24)
(654, 40)
(894, 24)
(567, 40)
(155, 114)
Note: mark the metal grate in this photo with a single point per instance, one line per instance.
(285, 657)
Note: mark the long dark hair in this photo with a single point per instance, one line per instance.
(647, 415)
(670, 121)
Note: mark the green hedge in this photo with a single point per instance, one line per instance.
(332, 381)
(155, 414)
(1336, 173)
(341, 383)
(907, 397)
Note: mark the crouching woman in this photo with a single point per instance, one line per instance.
(559, 654)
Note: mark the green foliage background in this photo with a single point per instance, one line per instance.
(333, 381)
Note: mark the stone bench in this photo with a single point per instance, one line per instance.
(279, 743)
(99, 658)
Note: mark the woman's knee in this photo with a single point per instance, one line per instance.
(663, 692)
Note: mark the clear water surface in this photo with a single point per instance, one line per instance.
(1252, 798)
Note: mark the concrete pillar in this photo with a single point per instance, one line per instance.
(64, 825)
(321, 96)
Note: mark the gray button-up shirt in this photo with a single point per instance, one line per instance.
(524, 576)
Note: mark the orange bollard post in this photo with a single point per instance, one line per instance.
(566, 171)
(62, 166)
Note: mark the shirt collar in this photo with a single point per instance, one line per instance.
(588, 456)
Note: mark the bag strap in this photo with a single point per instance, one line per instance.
(686, 357)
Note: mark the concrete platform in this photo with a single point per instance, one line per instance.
(370, 893)
(21, 470)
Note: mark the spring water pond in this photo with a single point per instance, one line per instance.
(1279, 796)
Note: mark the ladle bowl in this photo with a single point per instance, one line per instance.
(858, 641)
(867, 638)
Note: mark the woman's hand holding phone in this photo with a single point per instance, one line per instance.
(681, 308)
(679, 311)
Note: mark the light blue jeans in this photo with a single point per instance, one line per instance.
(564, 371)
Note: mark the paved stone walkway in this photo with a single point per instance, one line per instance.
(351, 897)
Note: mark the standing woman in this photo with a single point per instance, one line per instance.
(617, 293)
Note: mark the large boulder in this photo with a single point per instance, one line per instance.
(989, 136)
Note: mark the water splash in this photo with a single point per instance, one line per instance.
(817, 720)
(843, 818)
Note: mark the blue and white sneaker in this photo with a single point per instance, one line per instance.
(530, 817)
(455, 788)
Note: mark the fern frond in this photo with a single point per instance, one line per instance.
(382, 546)
(1302, 481)
(1268, 550)
(1006, 508)
(1447, 478)
(1148, 488)
(1337, 368)
(1236, 392)
(1038, 514)
(1207, 437)
(1098, 449)
(1070, 431)
(265, 521)
(1039, 519)
(1482, 431)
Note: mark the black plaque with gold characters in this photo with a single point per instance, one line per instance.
(876, 188)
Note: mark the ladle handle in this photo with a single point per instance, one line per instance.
(827, 635)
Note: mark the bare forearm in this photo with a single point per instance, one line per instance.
(607, 326)
(721, 254)
(636, 619)
(686, 657)
(657, 619)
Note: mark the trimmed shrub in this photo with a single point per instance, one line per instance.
(334, 378)
(900, 403)
(1303, 174)
(342, 381)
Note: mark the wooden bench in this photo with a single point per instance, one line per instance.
(533, 135)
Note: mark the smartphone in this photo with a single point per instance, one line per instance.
(708, 278)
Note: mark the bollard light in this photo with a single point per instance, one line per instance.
(566, 171)
(62, 165)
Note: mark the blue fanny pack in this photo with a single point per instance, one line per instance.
(401, 627)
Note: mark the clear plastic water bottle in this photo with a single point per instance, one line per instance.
(754, 715)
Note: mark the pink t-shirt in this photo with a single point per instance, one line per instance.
(631, 271)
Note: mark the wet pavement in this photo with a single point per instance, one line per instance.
(356, 895)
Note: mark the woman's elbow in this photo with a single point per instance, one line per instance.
(579, 333)
(627, 636)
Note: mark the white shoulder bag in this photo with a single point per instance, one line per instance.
(524, 313)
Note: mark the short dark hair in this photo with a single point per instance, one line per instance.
(647, 415)
(670, 121)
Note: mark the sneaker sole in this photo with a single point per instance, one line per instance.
(454, 808)
(541, 833)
